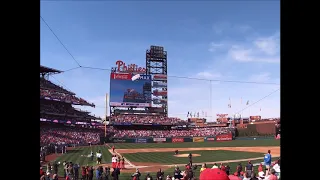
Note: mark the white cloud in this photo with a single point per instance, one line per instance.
(269, 45)
(208, 75)
(264, 49)
(261, 50)
(241, 54)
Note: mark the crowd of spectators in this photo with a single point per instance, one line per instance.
(195, 132)
(45, 115)
(53, 91)
(69, 135)
(146, 119)
(46, 84)
(219, 171)
(249, 172)
(60, 108)
(53, 94)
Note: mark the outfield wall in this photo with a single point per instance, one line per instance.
(221, 137)
(257, 130)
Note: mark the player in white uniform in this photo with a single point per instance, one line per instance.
(99, 157)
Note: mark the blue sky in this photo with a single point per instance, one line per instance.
(222, 40)
(118, 88)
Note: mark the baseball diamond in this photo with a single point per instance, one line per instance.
(149, 159)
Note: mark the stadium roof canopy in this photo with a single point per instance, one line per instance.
(44, 69)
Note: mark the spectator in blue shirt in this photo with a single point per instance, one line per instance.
(267, 160)
(98, 172)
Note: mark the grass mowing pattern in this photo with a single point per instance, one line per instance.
(206, 156)
(235, 143)
(75, 154)
(79, 155)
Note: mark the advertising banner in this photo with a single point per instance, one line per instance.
(118, 140)
(159, 84)
(210, 139)
(224, 137)
(127, 93)
(160, 77)
(45, 120)
(198, 139)
(139, 140)
(160, 93)
(159, 139)
(159, 101)
(177, 140)
(188, 139)
(256, 118)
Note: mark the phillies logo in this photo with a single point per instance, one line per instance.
(130, 68)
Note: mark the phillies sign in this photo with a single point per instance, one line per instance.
(127, 68)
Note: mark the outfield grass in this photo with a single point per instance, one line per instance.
(79, 155)
(206, 156)
(235, 143)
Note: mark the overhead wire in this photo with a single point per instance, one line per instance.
(179, 77)
(71, 69)
(64, 86)
(193, 78)
(60, 41)
(257, 101)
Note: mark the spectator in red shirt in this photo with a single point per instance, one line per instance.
(42, 173)
(83, 172)
(222, 167)
(260, 168)
(272, 175)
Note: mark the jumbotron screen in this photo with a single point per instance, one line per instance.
(127, 93)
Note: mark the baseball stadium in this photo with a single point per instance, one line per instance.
(139, 139)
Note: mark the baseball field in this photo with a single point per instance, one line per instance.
(150, 157)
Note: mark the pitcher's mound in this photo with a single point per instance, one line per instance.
(186, 155)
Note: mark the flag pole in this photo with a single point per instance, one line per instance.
(105, 129)
(211, 119)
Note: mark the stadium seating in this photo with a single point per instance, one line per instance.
(60, 108)
(46, 84)
(49, 90)
(147, 119)
(195, 132)
(69, 135)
